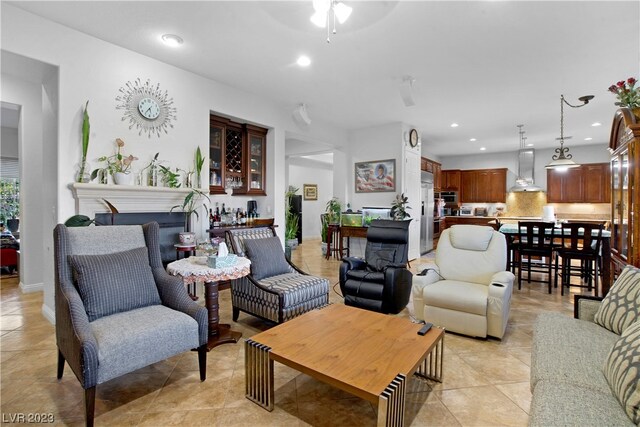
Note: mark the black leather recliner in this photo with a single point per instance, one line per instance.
(381, 282)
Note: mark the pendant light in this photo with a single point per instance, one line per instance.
(562, 160)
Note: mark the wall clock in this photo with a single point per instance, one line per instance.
(413, 138)
(148, 109)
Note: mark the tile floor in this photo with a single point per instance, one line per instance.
(486, 382)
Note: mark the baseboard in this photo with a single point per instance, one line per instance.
(49, 314)
(34, 287)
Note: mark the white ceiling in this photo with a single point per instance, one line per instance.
(485, 65)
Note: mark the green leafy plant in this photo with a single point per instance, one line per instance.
(10, 198)
(199, 162)
(117, 162)
(291, 220)
(334, 209)
(190, 206)
(324, 227)
(170, 178)
(399, 207)
(86, 127)
(85, 221)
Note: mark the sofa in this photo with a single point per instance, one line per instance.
(575, 376)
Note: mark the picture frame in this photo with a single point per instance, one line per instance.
(310, 191)
(375, 176)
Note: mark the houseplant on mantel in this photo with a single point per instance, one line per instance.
(118, 165)
(83, 173)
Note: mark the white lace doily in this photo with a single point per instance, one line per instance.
(191, 272)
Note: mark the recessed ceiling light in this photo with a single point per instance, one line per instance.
(473, 140)
(454, 125)
(530, 144)
(304, 61)
(596, 124)
(588, 138)
(483, 148)
(172, 40)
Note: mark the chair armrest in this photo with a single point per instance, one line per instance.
(174, 295)
(585, 307)
(503, 278)
(418, 285)
(74, 336)
(354, 263)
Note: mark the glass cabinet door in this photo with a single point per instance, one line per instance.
(256, 166)
(624, 203)
(216, 156)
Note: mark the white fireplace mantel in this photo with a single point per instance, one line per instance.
(126, 198)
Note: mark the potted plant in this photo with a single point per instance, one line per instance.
(399, 207)
(199, 162)
(118, 165)
(83, 173)
(190, 205)
(292, 220)
(628, 95)
(333, 210)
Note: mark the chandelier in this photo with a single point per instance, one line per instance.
(327, 12)
(562, 160)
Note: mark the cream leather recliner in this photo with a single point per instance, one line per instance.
(468, 291)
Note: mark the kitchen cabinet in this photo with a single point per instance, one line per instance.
(450, 180)
(237, 155)
(428, 165)
(469, 220)
(588, 183)
(483, 186)
(625, 190)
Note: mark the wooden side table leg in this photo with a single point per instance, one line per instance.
(218, 333)
(606, 266)
(328, 254)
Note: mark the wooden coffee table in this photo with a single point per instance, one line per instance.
(367, 354)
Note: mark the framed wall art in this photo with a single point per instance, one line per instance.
(310, 191)
(375, 176)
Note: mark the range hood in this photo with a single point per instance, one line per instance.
(526, 161)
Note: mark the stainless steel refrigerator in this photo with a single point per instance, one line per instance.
(426, 220)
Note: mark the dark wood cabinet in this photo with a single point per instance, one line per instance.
(483, 186)
(450, 180)
(588, 183)
(437, 176)
(470, 220)
(625, 190)
(236, 155)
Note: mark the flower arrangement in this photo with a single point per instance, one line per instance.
(118, 162)
(626, 92)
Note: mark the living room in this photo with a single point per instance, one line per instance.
(51, 67)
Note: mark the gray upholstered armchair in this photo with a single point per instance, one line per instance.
(276, 290)
(117, 310)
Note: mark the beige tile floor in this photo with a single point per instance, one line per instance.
(486, 382)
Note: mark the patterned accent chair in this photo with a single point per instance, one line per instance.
(117, 309)
(277, 298)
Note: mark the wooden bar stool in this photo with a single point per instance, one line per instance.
(580, 241)
(535, 240)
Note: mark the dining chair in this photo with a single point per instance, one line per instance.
(535, 239)
(581, 241)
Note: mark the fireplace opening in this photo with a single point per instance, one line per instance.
(171, 223)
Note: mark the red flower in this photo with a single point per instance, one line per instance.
(631, 81)
(613, 89)
(621, 83)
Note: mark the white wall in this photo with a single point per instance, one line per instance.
(301, 173)
(9, 142)
(371, 144)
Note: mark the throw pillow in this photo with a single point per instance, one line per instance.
(114, 283)
(621, 307)
(267, 257)
(622, 371)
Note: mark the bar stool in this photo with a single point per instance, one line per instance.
(535, 238)
(580, 241)
(334, 241)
